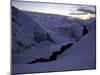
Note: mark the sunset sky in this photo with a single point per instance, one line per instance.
(74, 11)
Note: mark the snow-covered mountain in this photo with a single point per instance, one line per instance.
(47, 40)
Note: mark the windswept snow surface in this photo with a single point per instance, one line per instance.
(47, 42)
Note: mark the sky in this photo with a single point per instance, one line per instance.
(75, 11)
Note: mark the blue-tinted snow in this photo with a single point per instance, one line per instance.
(36, 35)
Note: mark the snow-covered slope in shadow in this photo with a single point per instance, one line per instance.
(79, 56)
(35, 38)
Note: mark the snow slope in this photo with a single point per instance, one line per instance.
(45, 42)
(79, 56)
